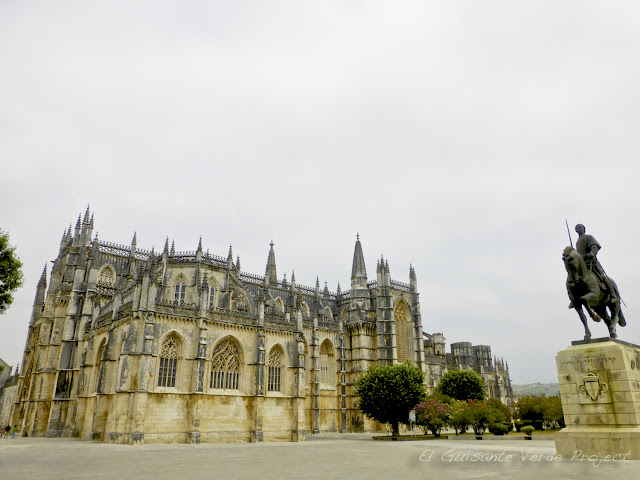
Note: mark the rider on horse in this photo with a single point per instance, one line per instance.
(588, 247)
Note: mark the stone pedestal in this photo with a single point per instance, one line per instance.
(600, 392)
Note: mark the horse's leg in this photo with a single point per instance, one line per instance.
(594, 316)
(616, 299)
(610, 321)
(621, 320)
(583, 319)
(614, 307)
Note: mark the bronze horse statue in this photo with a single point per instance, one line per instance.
(601, 300)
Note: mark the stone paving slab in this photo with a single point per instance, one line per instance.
(347, 456)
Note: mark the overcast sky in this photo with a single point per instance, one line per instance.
(453, 135)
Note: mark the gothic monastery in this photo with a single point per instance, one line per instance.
(131, 346)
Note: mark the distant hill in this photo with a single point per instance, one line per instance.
(549, 389)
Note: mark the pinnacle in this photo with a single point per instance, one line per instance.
(358, 269)
(271, 270)
(43, 277)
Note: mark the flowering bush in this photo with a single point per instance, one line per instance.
(432, 415)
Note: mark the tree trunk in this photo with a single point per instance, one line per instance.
(396, 429)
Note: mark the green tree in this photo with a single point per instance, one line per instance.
(531, 407)
(552, 413)
(461, 417)
(462, 385)
(486, 412)
(10, 272)
(388, 392)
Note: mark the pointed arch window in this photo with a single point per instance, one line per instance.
(168, 363)
(327, 365)
(275, 366)
(211, 296)
(401, 314)
(180, 290)
(106, 276)
(99, 367)
(225, 368)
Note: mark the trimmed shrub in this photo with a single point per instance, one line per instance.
(527, 430)
(499, 429)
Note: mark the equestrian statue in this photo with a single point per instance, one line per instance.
(588, 286)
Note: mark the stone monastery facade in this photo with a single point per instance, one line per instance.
(127, 345)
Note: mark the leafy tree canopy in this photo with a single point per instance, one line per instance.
(10, 272)
(462, 385)
(540, 408)
(388, 392)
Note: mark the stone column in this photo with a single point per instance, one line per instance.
(257, 432)
(315, 375)
(343, 380)
(299, 433)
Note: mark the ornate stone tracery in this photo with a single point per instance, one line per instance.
(401, 315)
(225, 366)
(275, 364)
(168, 362)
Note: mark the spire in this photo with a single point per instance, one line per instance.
(238, 264)
(317, 287)
(412, 273)
(166, 246)
(85, 226)
(338, 291)
(199, 251)
(271, 271)
(173, 247)
(358, 269)
(284, 280)
(89, 230)
(78, 225)
(40, 291)
(134, 243)
(230, 255)
(325, 292)
(43, 277)
(69, 233)
(293, 277)
(64, 236)
(86, 217)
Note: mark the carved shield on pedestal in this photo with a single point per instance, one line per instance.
(592, 386)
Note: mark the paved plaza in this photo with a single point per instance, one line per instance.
(348, 456)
